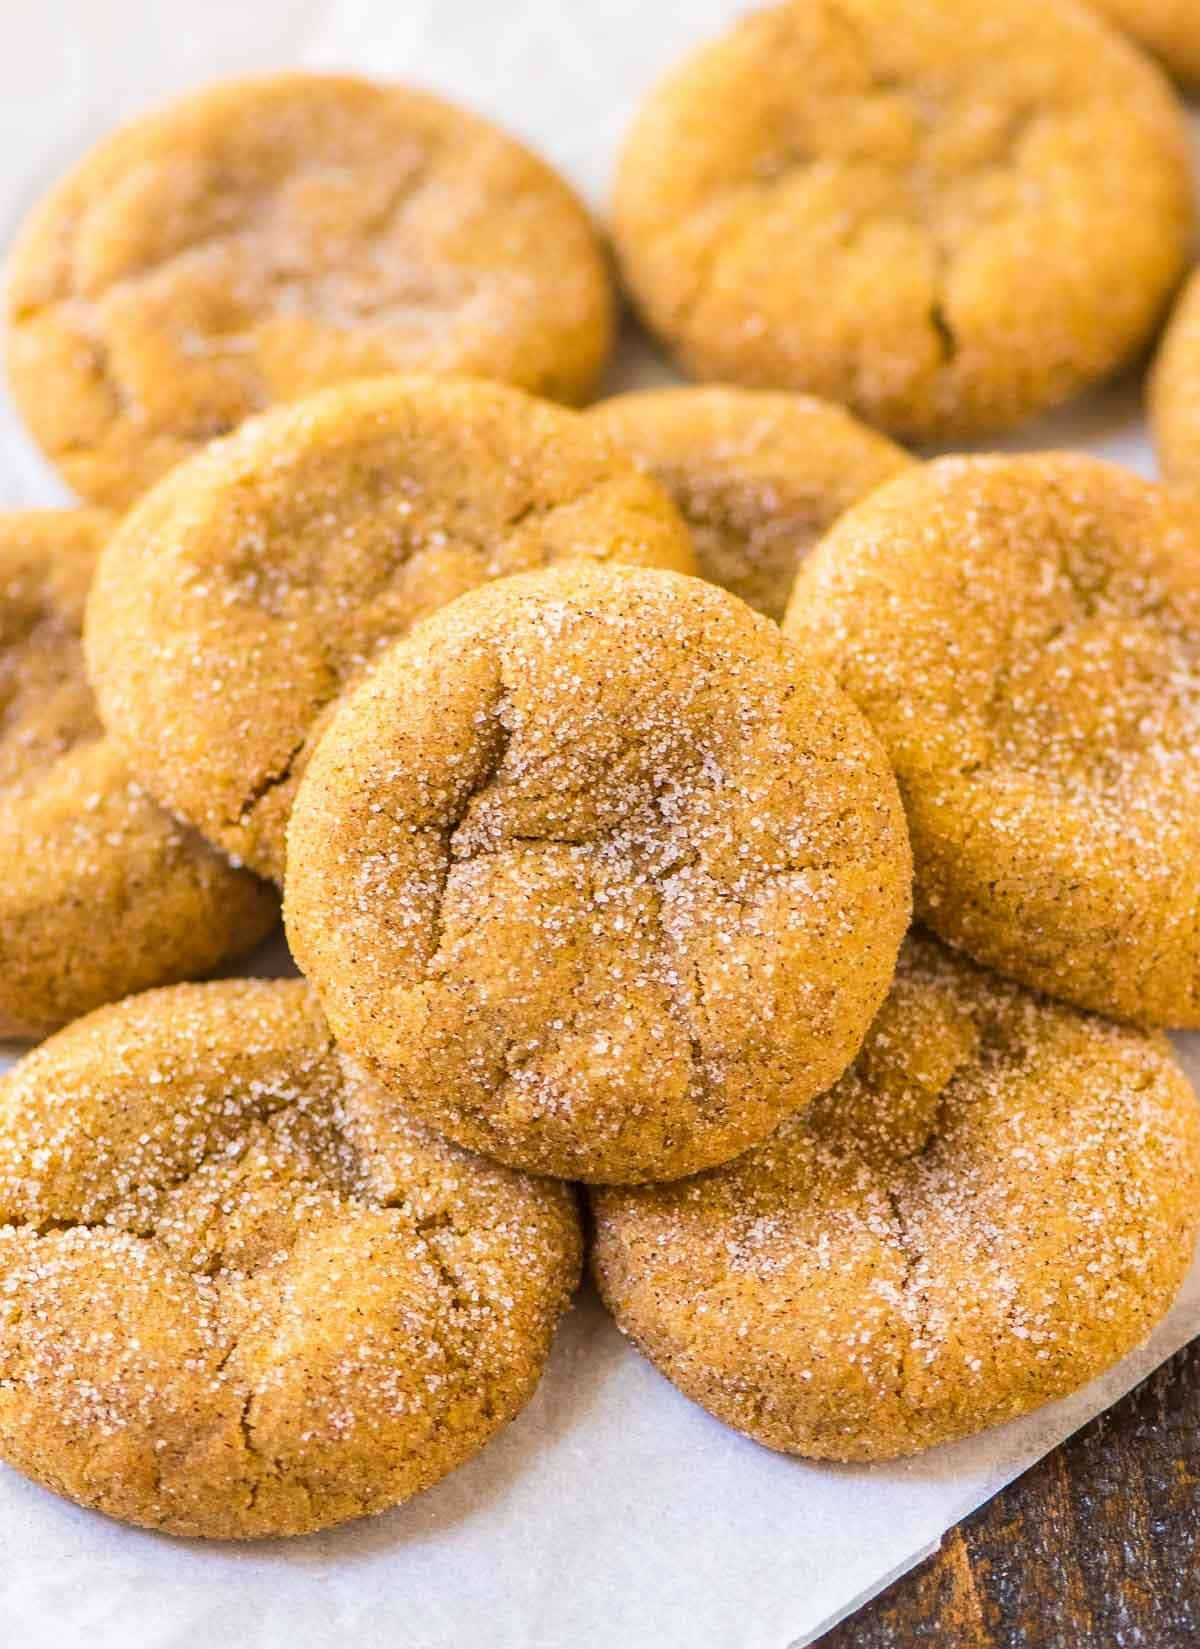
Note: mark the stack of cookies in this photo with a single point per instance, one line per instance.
(602, 760)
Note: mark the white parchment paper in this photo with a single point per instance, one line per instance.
(613, 1514)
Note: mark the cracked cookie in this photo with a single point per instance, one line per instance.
(947, 214)
(1168, 28)
(101, 892)
(1175, 392)
(1024, 635)
(598, 875)
(265, 238)
(237, 1296)
(995, 1204)
(757, 477)
(243, 594)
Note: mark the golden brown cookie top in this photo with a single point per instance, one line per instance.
(263, 238)
(1168, 28)
(997, 1201)
(241, 596)
(101, 892)
(757, 477)
(235, 1298)
(1019, 172)
(1024, 635)
(600, 876)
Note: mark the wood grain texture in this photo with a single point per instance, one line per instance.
(1097, 1547)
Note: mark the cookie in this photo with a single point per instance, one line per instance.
(758, 478)
(597, 875)
(243, 594)
(1019, 172)
(236, 1298)
(265, 238)
(1168, 28)
(1175, 392)
(101, 892)
(996, 1203)
(1023, 633)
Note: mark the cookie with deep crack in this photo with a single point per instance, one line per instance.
(757, 477)
(237, 1296)
(265, 238)
(1019, 171)
(243, 594)
(1175, 392)
(1168, 28)
(598, 874)
(102, 893)
(996, 1203)
(1023, 633)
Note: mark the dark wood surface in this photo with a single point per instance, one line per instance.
(1097, 1547)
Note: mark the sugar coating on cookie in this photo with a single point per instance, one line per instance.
(238, 1298)
(1168, 28)
(102, 893)
(757, 477)
(267, 237)
(1024, 635)
(1175, 392)
(947, 214)
(253, 584)
(997, 1202)
(598, 874)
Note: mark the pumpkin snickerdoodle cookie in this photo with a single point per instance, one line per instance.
(101, 892)
(238, 1298)
(267, 237)
(947, 214)
(758, 477)
(996, 1203)
(239, 598)
(598, 875)
(1168, 28)
(1024, 635)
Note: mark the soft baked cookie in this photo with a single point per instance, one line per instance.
(1024, 635)
(101, 892)
(757, 477)
(598, 874)
(997, 1202)
(1168, 28)
(948, 214)
(1175, 391)
(239, 598)
(236, 1297)
(264, 238)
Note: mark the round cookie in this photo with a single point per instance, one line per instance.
(267, 237)
(1023, 633)
(996, 1203)
(101, 892)
(1018, 170)
(237, 1298)
(598, 875)
(251, 585)
(757, 477)
(1168, 28)
(1175, 392)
